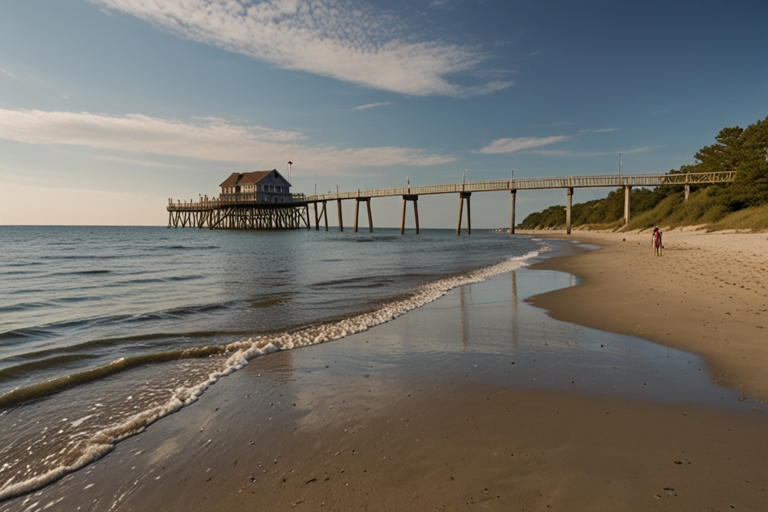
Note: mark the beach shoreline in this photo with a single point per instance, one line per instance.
(706, 294)
(420, 426)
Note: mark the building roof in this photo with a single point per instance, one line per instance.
(245, 178)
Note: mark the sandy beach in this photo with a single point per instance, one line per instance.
(481, 401)
(706, 294)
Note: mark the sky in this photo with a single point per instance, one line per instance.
(108, 108)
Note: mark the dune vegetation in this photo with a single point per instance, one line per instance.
(740, 205)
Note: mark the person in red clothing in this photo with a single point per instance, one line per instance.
(657, 247)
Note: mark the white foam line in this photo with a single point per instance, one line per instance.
(104, 441)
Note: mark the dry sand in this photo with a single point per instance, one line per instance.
(327, 428)
(707, 294)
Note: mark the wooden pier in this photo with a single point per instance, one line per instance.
(239, 213)
(244, 212)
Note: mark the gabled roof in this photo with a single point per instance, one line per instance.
(248, 178)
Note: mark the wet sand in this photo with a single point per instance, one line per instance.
(475, 401)
(707, 294)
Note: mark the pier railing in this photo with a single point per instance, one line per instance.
(205, 204)
(606, 180)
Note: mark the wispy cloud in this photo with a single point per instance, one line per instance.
(137, 162)
(493, 73)
(443, 4)
(372, 105)
(520, 143)
(599, 130)
(334, 38)
(201, 138)
(5, 71)
(571, 154)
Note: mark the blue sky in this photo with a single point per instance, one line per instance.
(110, 107)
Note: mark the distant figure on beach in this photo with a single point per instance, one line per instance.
(657, 247)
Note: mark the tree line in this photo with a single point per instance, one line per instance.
(741, 204)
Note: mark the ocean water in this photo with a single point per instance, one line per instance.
(104, 330)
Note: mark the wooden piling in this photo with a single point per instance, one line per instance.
(416, 212)
(325, 215)
(627, 193)
(569, 191)
(341, 220)
(402, 217)
(461, 209)
(370, 217)
(367, 201)
(469, 216)
(415, 200)
(687, 192)
(357, 211)
(462, 197)
(317, 218)
(512, 213)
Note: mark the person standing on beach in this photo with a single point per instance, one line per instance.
(661, 243)
(656, 241)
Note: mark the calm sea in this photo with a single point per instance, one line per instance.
(106, 329)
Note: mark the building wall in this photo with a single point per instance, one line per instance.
(273, 189)
(270, 189)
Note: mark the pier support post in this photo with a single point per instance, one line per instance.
(627, 192)
(367, 201)
(415, 200)
(370, 217)
(341, 221)
(569, 191)
(461, 209)
(512, 213)
(687, 192)
(317, 218)
(416, 212)
(325, 215)
(402, 218)
(462, 196)
(357, 212)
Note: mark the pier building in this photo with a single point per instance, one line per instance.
(248, 200)
(258, 186)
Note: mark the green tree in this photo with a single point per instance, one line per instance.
(735, 149)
